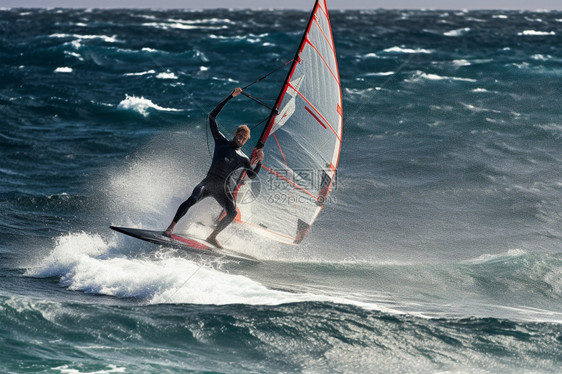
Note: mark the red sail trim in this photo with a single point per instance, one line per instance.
(280, 150)
(316, 118)
(330, 43)
(317, 111)
(289, 181)
(324, 61)
(324, 10)
(330, 40)
(267, 130)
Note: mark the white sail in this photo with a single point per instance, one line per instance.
(301, 140)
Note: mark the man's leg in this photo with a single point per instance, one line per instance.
(226, 200)
(198, 193)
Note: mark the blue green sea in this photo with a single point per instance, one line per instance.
(439, 250)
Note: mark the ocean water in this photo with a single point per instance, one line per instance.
(439, 250)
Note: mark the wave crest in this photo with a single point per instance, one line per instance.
(142, 105)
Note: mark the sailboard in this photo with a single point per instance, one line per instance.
(190, 244)
(301, 140)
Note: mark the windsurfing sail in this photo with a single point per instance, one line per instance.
(301, 140)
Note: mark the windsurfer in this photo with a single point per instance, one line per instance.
(227, 158)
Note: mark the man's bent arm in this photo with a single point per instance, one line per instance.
(252, 173)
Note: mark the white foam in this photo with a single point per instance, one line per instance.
(202, 21)
(64, 69)
(140, 73)
(75, 44)
(492, 257)
(252, 38)
(434, 77)
(461, 62)
(69, 251)
(105, 38)
(536, 33)
(406, 50)
(380, 74)
(74, 54)
(167, 75)
(541, 57)
(65, 369)
(192, 283)
(92, 264)
(166, 26)
(179, 25)
(458, 32)
(89, 263)
(142, 105)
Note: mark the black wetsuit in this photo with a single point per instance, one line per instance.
(227, 158)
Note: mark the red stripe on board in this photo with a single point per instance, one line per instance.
(192, 243)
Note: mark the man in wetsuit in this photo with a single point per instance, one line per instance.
(228, 156)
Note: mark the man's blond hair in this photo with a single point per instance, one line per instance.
(243, 128)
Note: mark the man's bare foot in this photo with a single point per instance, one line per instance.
(169, 230)
(212, 240)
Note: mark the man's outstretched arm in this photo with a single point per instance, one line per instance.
(215, 112)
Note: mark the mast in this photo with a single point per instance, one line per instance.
(296, 60)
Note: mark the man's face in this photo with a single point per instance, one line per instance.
(240, 138)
